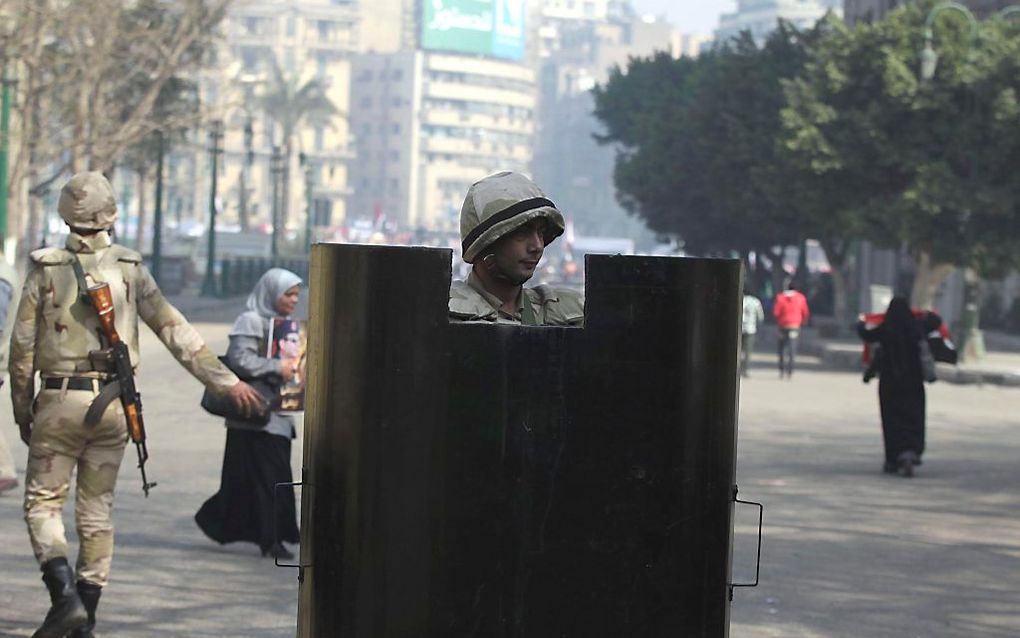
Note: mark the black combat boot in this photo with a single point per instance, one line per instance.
(67, 612)
(90, 598)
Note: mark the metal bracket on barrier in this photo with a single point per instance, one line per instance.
(757, 567)
(276, 527)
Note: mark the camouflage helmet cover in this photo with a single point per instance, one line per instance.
(87, 201)
(499, 204)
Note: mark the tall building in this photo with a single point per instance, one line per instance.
(428, 124)
(574, 56)
(761, 16)
(452, 102)
(305, 40)
(870, 10)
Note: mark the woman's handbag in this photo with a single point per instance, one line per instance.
(222, 406)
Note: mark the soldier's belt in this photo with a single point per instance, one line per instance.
(73, 383)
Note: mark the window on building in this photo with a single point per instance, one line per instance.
(325, 28)
(291, 26)
(365, 102)
(395, 128)
(396, 101)
(251, 58)
(394, 155)
(320, 138)
(397, 75)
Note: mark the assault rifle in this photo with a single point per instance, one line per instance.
(119, 361)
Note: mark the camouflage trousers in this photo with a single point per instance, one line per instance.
(60, 443)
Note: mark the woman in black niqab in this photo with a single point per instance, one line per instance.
(901, 396)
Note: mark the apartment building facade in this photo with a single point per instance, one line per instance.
(760, 17)
(870, 10)
(429, 124)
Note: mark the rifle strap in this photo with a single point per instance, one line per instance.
(106, 396)
(83, 285)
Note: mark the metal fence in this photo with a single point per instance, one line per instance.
(238, 275)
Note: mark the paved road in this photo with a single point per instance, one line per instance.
(848, 552)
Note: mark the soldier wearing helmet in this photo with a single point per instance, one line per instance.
(53, 334)
(505, 224)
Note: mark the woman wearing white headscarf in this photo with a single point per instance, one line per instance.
(257, 457)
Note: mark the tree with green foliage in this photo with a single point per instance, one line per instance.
(292, 104)
(927, 164)
(93, 79)
(829, 133)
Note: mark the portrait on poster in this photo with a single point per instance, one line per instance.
(288, 341)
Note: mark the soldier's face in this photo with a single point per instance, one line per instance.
(516, 255)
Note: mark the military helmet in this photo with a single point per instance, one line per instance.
(87, 201)
(498, 205)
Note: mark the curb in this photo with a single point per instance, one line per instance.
(843, 359)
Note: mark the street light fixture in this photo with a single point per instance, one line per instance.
(1008, 12)
(310, 167)
(209, 288)
(929, 57)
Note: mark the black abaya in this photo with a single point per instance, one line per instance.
(253, 463)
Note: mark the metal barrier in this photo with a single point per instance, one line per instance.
(238, 275)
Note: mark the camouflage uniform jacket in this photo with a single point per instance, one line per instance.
(470, 301)
(54, 331)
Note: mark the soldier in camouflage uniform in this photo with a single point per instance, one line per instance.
(505, 224)
(53, 334)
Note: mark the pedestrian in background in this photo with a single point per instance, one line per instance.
(257, 456)
(54, 333)
(9, 296)
(790, 311)
(901, 397)
(753, 315)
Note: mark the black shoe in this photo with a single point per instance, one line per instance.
(905, 464)
(67, 612)
(89, 595)
(278, 551)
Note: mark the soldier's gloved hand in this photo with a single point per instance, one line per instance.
(26, 432)
(247, 399)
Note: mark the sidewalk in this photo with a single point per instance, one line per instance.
(1001, 366)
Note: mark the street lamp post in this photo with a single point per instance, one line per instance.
(157, 218)
(1009, 12)
(972, 345)
(309, 167)
(209, 283)
(5, 128)
(275, 169)
(929, 58)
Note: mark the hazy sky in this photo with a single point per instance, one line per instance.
(690, 16)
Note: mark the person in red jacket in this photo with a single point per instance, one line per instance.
(791, 313)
